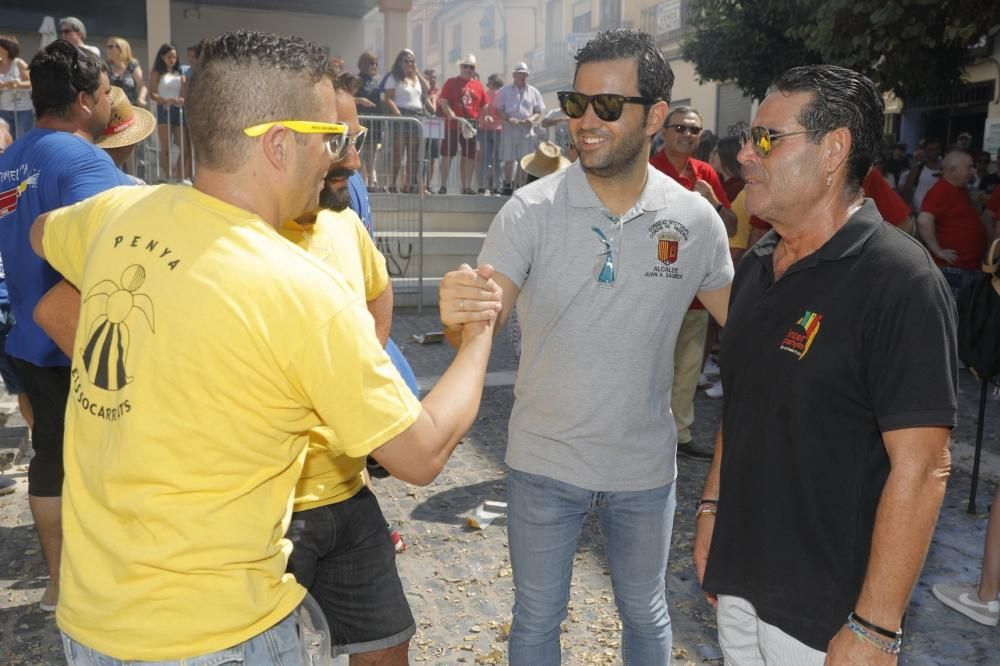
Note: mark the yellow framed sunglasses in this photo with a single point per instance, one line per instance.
(335, 145)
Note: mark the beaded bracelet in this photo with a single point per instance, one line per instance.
(888, 647)
(874, 627)
(706, 506)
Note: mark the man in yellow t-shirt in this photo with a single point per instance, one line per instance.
(207, 346)
(342, 552)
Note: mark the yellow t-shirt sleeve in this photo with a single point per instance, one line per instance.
(741, 238)
(372, 263)
(67, 235)
(351, 383)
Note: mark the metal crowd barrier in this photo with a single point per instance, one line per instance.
(166, 156)
(394, 157)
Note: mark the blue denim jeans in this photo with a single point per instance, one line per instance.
(544, 520)
(278, 646)
(489, 156)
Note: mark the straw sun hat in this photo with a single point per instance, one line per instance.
(128, 124)
(546, 159)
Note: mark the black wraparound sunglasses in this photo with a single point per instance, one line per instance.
(607, 106)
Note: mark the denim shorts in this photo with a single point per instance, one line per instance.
(169, 115)
(344, 556)
(278, 646)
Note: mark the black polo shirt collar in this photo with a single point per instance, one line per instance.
(847, 242)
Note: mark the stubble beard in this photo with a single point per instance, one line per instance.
(620, 160)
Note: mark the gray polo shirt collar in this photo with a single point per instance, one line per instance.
(580, 194)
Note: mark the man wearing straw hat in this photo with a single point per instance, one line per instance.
(55, 164)
(129, 125)
(546, 160)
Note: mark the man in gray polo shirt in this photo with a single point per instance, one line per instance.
(603, 259)
(519, 105)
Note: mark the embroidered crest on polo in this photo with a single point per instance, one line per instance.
(801, 336)
(668, 238)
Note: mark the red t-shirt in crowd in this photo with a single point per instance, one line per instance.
(702, 171)
(465, 97)
(956, 224)
(994, 203)
(890, 206)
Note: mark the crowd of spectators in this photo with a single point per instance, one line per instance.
(946, 195)
(492, 127)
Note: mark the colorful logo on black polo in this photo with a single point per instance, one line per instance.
(801, 337)
(106, 352)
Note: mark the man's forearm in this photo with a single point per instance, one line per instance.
(904, 523)
(728, 219)
(381, 311)
(928, 233)
(454, 401)
(58, 314)
(705, 522)
(712, 485)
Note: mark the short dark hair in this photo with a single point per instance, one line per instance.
(675, 110)
(706, 144)
(59, 73)
(245, 78)
(728, 148)
(10, 44)
(656, 78)
(841, 98)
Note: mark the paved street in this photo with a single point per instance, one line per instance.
(459, 580)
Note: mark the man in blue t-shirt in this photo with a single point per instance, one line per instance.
(54, 165)
(361, 204)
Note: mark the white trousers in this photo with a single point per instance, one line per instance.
(746, 640)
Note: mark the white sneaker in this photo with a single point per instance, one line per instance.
(703, 381)
(714, 391)
(711, 368)
(965, 599)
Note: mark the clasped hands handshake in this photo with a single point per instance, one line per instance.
(470, 300)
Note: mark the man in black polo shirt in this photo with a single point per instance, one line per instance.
(839, 374)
